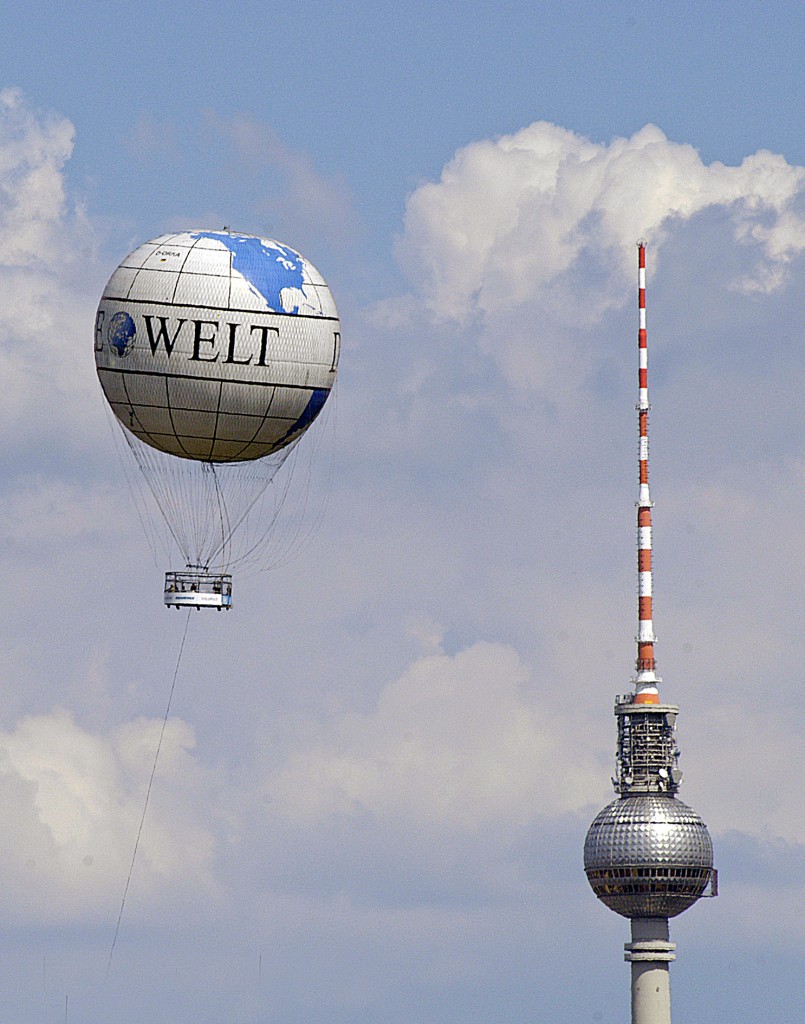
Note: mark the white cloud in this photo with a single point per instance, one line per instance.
(73, 801)
(428, 633)
(456, 740)
(46, 248)
(511, 217)
(33, 150)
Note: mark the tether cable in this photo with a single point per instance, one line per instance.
(148, 793)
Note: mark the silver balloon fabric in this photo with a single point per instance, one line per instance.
(216, 346)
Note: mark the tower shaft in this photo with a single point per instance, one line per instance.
(650, 952)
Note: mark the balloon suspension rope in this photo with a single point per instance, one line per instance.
(148, 792)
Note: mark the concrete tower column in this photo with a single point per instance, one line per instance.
(649, 953)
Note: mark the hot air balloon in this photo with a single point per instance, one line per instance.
(215, 351)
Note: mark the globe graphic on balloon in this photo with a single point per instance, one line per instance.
(121, 333)
(216, 346)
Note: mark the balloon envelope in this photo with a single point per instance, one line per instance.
(216, 346)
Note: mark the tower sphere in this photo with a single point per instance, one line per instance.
(648, 855)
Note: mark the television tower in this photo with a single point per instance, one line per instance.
(647, 855)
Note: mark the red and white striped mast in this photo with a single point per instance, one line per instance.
(646, 680)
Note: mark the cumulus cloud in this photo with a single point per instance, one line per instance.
(456, 740)
(33, 151)
(513, 217)
(73, 800)
(46, 247)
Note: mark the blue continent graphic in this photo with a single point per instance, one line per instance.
(268, 268)
(318, 396)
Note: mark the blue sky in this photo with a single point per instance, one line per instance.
(380, 767)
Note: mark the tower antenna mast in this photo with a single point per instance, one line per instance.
(646, 680)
